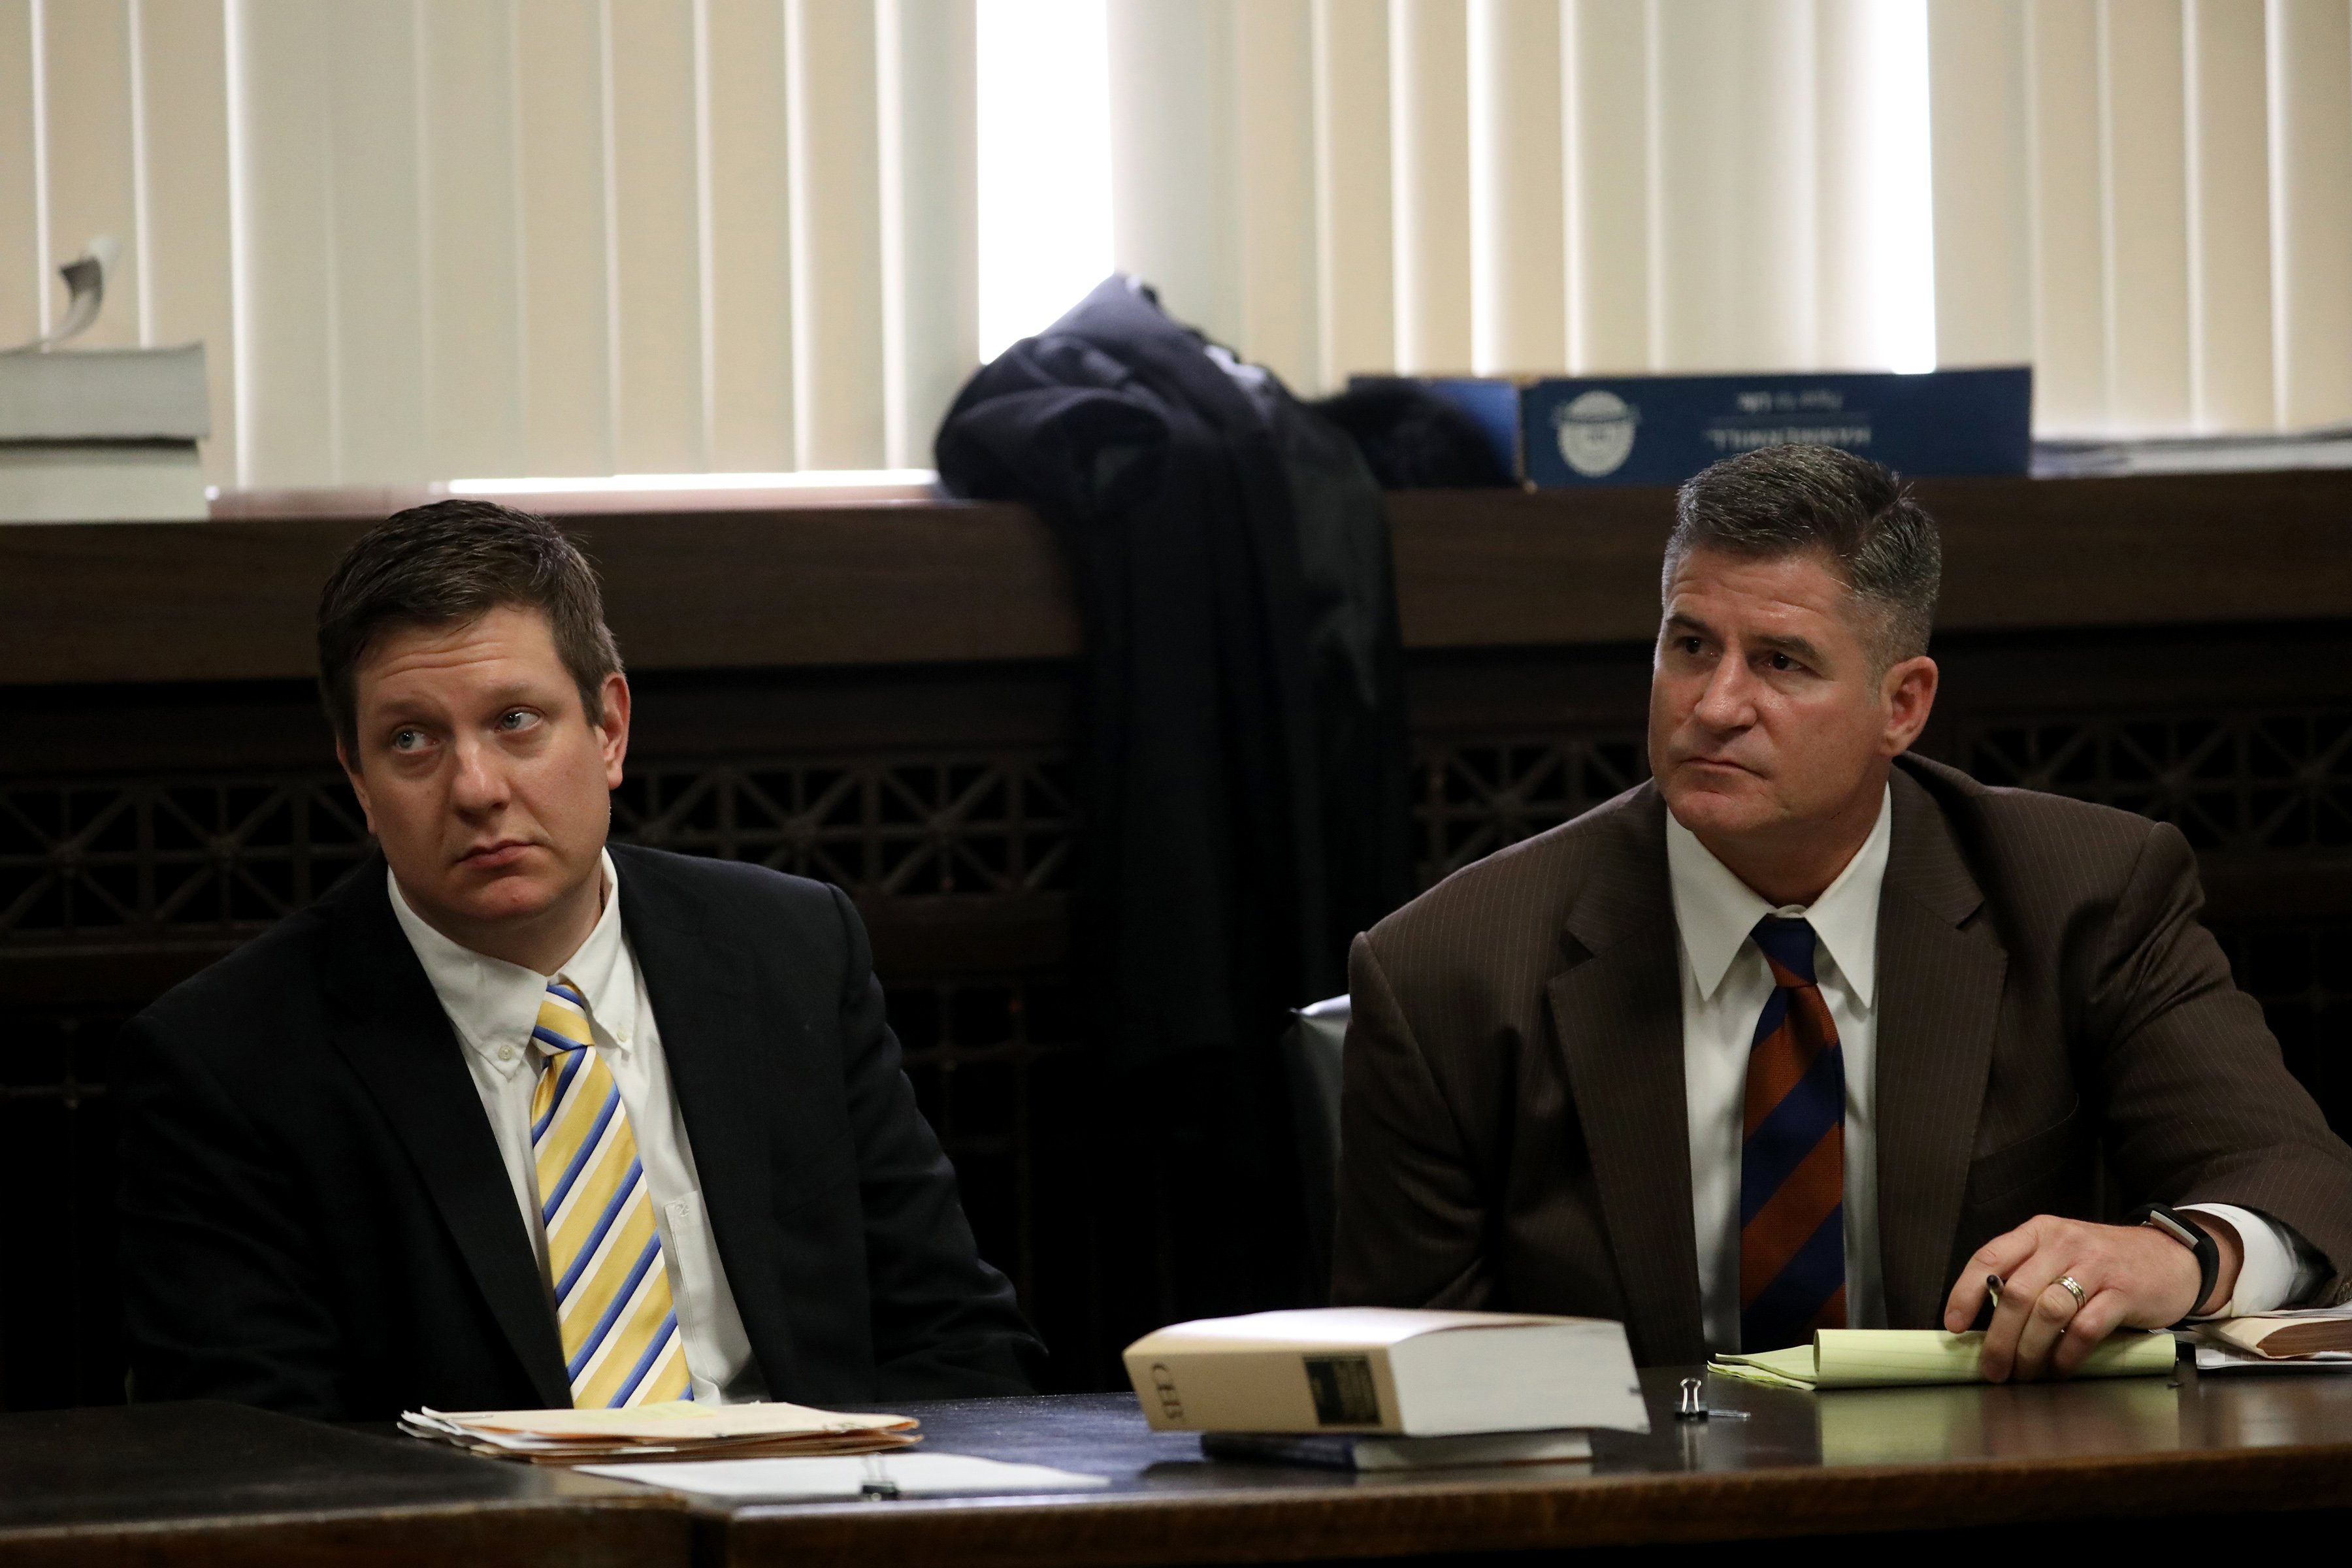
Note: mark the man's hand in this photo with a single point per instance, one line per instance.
(2131, 1276)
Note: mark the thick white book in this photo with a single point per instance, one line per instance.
(1387, 1370)
(105, 394)
(100, 481)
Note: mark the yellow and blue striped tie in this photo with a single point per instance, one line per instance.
(621, 1343)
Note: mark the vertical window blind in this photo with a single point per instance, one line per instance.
(438, 238)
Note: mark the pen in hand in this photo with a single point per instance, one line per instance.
(1992, 1302)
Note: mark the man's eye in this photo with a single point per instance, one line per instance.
(407, 740)
(516, 718)
(1688, 645)
(1782, 661)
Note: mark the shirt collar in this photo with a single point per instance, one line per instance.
(1714, 910)
(495, 1003)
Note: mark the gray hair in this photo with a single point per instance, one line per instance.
(1788, 500)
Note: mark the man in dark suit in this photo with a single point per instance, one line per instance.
(510, 1118)
(1810, 1033)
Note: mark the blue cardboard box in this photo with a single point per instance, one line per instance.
(1555, 432)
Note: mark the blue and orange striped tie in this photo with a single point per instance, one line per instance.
(621, 1343)
(1792, 1160)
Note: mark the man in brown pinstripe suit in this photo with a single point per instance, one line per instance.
(1808, 1032)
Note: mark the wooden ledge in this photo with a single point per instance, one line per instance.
(898, 582)
(235, 600)
(1502, 568)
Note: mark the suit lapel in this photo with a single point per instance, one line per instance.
(715, 1031)
(390, 1027)
(1618, 1012)
(1940, 989)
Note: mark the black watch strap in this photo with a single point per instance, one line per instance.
(2190, 1235)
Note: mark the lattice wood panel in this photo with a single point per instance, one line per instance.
(887, 827)
(2251, 782)
(1477, 793)
(130, 859)
(2270, 782)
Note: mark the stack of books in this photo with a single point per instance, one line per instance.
(1376, 1388)
(102, 435)
(678, 1429)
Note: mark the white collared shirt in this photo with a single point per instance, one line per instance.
(1725, 984)
(493, 1005)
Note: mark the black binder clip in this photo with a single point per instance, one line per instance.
(1691, 1407)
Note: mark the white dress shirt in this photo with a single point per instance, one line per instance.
(493, 1005)
(1725, 983)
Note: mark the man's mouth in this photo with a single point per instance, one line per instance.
(1721, 765)
(488, 857)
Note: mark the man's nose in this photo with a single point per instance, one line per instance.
(1727, 704)
(481, 783)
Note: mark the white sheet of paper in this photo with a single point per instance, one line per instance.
(2213, 1358)
(798, 1481)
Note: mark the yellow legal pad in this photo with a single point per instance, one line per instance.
(1896, 1357)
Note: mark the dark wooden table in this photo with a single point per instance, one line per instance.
(2086, 1469)
(211, 1483)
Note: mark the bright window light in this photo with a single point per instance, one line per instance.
(811, 478)
(1902, 182)
(1045, 162)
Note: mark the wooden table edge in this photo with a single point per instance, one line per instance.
(650, 1519)
(1417, 1517)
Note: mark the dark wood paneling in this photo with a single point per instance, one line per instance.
(947, 583)
(235, 600)
(1488, 568)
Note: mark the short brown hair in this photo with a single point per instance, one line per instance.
(453, 561)
(1784, 500)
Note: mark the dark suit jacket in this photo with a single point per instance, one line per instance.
(315, 1217)
(1513, 1125)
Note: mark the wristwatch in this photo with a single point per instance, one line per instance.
(2156, 1217)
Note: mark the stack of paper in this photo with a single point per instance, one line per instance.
(102, 436)
(678, 1429)
(1891, 1358)
(2317, 1336)
(874, 1476)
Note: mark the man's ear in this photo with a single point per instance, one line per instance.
(1909, 690)
(612, 729)
(359, 784)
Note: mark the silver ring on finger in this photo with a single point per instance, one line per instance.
(2074, 1288)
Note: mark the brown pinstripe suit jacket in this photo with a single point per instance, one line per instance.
(1513, 1126)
